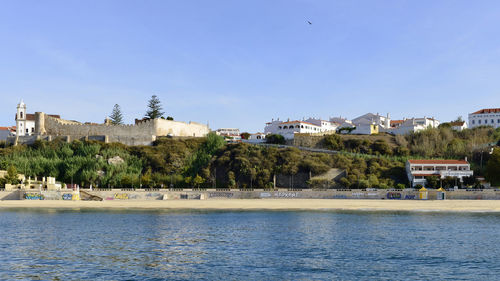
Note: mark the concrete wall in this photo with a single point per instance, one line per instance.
(143, 195)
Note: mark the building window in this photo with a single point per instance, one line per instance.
(298, 126)
(492, 121)
(21, 115)
(485, 121)
(27, 131)
(479, 121)
(474, 121)
(302, 126)
(498, 121)
(32, 130)
(279, 127)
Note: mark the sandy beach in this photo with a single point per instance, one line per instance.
(272, 204)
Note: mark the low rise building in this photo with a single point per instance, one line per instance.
(6, 132)
(256, 138)
(229, 133)
(485, 117)
(310, 126)
(411, 125)
(458, 125)
(419, 170)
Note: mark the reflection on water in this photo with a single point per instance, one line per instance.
(75, 245)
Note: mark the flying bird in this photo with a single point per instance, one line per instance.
(309, 22)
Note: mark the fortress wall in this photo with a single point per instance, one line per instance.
(180, 129)
(58, 127)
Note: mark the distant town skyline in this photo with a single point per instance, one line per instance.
(241, 64)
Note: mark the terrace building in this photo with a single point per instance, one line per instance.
(419, 170)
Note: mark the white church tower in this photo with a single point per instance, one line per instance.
(21, 119)
(25, 123)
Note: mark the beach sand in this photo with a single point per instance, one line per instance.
(266, 204)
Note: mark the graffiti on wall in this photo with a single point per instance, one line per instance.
(220, 194)
(410, 197)
(33, 196)
(121, 196)
(67, 196)
(286, 194)
(265, 195)
(154, 195)
(393, 195)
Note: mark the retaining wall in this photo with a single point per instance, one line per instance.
(212, 194)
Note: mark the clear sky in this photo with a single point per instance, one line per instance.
(240, 63)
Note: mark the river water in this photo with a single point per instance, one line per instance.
(260, 245)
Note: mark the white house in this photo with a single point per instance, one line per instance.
(458, 125)
(256, 138)
(7, 132)
(229, 133)
(370, 123)
(485, 117)
(412, 125)
(373, 119)
(25, 122)
(289, 128)
(342, 122)
(418, 170)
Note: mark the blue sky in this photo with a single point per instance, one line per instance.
(241, 63)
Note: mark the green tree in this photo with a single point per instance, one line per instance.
(116, 115)
(154, 108)
(11, 176)
(275, 139)
(432, 181)
(493, 168)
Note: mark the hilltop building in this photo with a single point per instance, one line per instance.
(412, 125)
(458, 125)
(6, 132)
(25, 122)
(419, 170)
(232, 133)
(310, 126)
(485, 117)
(47, 127)
(370, 123)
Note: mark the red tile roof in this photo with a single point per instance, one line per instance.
(487, 110)
(421, 161)
(297, 121)
(457, 123)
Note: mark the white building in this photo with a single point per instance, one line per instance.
(7, 132)
(458, 125)
(229, 133)
(342, 122)
(256, 138)
(485, 117)
(289, 128)
(418, 170)
(25, 122)
(383, 122)
(412, 125)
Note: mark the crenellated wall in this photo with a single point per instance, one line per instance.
(144, 133)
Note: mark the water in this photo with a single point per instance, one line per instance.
(76, 245)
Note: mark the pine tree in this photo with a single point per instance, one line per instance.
(154, 108)
(116, 115)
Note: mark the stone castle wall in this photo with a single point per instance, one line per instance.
(143, 133)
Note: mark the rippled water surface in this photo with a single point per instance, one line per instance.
(75, 245)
